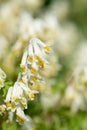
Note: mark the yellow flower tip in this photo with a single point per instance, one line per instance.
(23, 105)
(12, 106)
(42, 65)
(16, 100)
(23, 101)
(34, 78)
(30, 85)
(32, 95)
(8, 104)
(47, 49)
(23, 68)
(33, 70)
(20, 119)
(30, 58)
(36, 57)
(23, 80)
(40, 61)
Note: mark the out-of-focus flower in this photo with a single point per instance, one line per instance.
(2, 109)
(54, 67)
(28, 125)
(33, 5)
(68, 37)
(2, 78)
(75, 94)
(3, 47)
(49, 100)
(82, 53)
(60, 9)
(50, 28)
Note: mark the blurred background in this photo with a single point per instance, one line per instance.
(62, 24)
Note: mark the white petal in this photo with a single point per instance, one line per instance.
(8, 96)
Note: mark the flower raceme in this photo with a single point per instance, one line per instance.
(33, 61)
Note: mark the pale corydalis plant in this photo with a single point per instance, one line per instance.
(33, 61)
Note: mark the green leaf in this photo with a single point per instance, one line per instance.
(7, 126)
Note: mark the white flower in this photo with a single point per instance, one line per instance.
(34, 67)
(30, 54)
(24, 58)
(29, 94)
(78, 103)
(15, 97)
(40, 44)
(24, 79)
(23, 102)
(17, 92)
(21, 117)
(49, 100)
(70, 93)
(8, 98)
(32, 94)
(23, 64)
(2, 109)
(38, 50)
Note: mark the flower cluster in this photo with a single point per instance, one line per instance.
(33, 61)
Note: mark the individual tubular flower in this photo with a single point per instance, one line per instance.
(29, 125)
(23, 64)
(20, 115)
(2, 78)
(82, 53)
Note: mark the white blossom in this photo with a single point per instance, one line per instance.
(21, 117)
